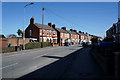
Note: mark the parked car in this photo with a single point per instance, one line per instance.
(84, 44)
(67, 43)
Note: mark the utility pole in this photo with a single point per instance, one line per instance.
(42, 27)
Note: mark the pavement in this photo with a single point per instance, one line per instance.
(79, 65)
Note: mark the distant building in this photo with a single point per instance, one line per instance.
(34, 30)
(114, 32)
(85, 37)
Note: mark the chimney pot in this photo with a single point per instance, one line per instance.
(71, 29)
(79, 31)
(50, 24)
(53, 25)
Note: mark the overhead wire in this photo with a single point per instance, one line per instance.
(70, 22)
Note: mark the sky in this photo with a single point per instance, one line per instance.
(91, 17)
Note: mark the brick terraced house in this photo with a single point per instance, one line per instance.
(55, 35)
(63, 35)
(34, 31)
(74, 37)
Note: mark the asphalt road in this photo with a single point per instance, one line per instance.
(18, 64)
(79, 65)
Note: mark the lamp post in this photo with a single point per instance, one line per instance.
(24, 25)
(42, 26)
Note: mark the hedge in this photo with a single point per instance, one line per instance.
(8, 49)
(33, 45)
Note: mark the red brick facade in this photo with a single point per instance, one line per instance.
(13, 41)
(55, 35)
(34, 30)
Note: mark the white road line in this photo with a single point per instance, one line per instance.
(39, 56)
(9, 66)
(36, 57)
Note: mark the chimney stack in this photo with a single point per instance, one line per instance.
(71, 29)
(32, 20)
(75, 30)
(64, 28)
(53, 25)
(50, 24)
(80, 32)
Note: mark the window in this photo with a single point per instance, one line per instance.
(30, 31)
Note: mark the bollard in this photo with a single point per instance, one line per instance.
(17, 48)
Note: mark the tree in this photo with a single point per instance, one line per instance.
(11, 36)
(2, 36)
(20, 33)
(94, 40)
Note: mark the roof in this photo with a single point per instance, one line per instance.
(44, 27)
(61, 30)
(83, 34)
(72, 32)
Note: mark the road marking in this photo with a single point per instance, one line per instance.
(36, 57)
(9, 66)
(39, 56)
(15, 54)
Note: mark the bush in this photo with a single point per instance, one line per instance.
(8, 49)
(33, 45)
(47, 44)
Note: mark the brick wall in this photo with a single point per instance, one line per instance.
(12, 41)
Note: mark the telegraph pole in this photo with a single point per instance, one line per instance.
(42, 27)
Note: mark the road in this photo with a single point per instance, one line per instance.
(18, 64)
(79, 65)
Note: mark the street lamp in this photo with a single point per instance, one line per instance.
(24, 25)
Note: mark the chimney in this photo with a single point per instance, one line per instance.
(75, 30)
(50, 24)
(32, 20)
(64, 28)
(53, 25)
(71, 29)
(80, 32)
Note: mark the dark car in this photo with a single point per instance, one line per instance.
(67, 43)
